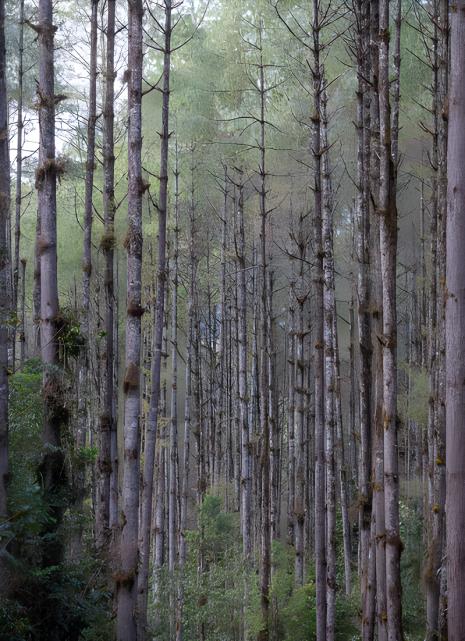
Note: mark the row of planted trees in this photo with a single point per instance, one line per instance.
(220, 386)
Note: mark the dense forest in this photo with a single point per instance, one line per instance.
(232, 320)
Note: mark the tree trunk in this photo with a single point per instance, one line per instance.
(318, 340)
(388, 246)
(188, 402)
(172, 507)
(4, 271)
(84, 360)
(245, 489)
(36, 289)
(151, 433)
(362, 252)
(299, 427)
(455, 332)
(291, 383)
(19, 174)
(52, 468)
(329, 375)
(127, 577)
(107, 431)
(22, 335)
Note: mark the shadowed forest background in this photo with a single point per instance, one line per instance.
(223, 286)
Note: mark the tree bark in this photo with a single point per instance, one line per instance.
(188, 412)
(84, 360)
(299, 422)
(107, 431)
(388, 244)
(152, 423)
(4, 276)
(19, 173)
(52, 468)
(318, 340)
(329, 375)
(127, 577)
(455, 331)
(243, 383)
(172, 507)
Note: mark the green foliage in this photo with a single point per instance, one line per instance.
(214, 580)
(414, 406)
(60, 602)
(411, 530)
(70, 339)
(294, 608)
(221, 595)
(25, 415)
(66, 601)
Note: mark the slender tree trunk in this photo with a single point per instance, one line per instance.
(440, 457)
(455, 332)
(362, 251)
(433, 552)
(36, 290)
(114, 477)
(22, 335)
(388, 245)
(174, 460)
(299, 428)
(318, 340)
(291, 384)
(151, 433)
(263, 382)
(329, 376)
(172, 541)
(243, 383)
(4, 271)
(341, 464)
(52, 468)
(107, 429)
(19, 173)
(273, 414)
(188, 402)
(354, 432)
(127, 577)
(84, 360)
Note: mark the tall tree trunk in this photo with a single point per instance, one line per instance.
(341, 463)
(318, 341)
(151, 433)
(19, 174)
(107, 429)
(362, 252)
(246, 480)
(455, 332)
(263, 378)
(299, 426)
(440, 471)
(52, 468)
(329, 375)
(127, 577)
(84, 360)
(188, 412)
(172, 507)
(291, 394)
(22, 335)
(433, 552)
(4, 271)
(388, 245)
(36, 288)
(174, 459)
(273, 414)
